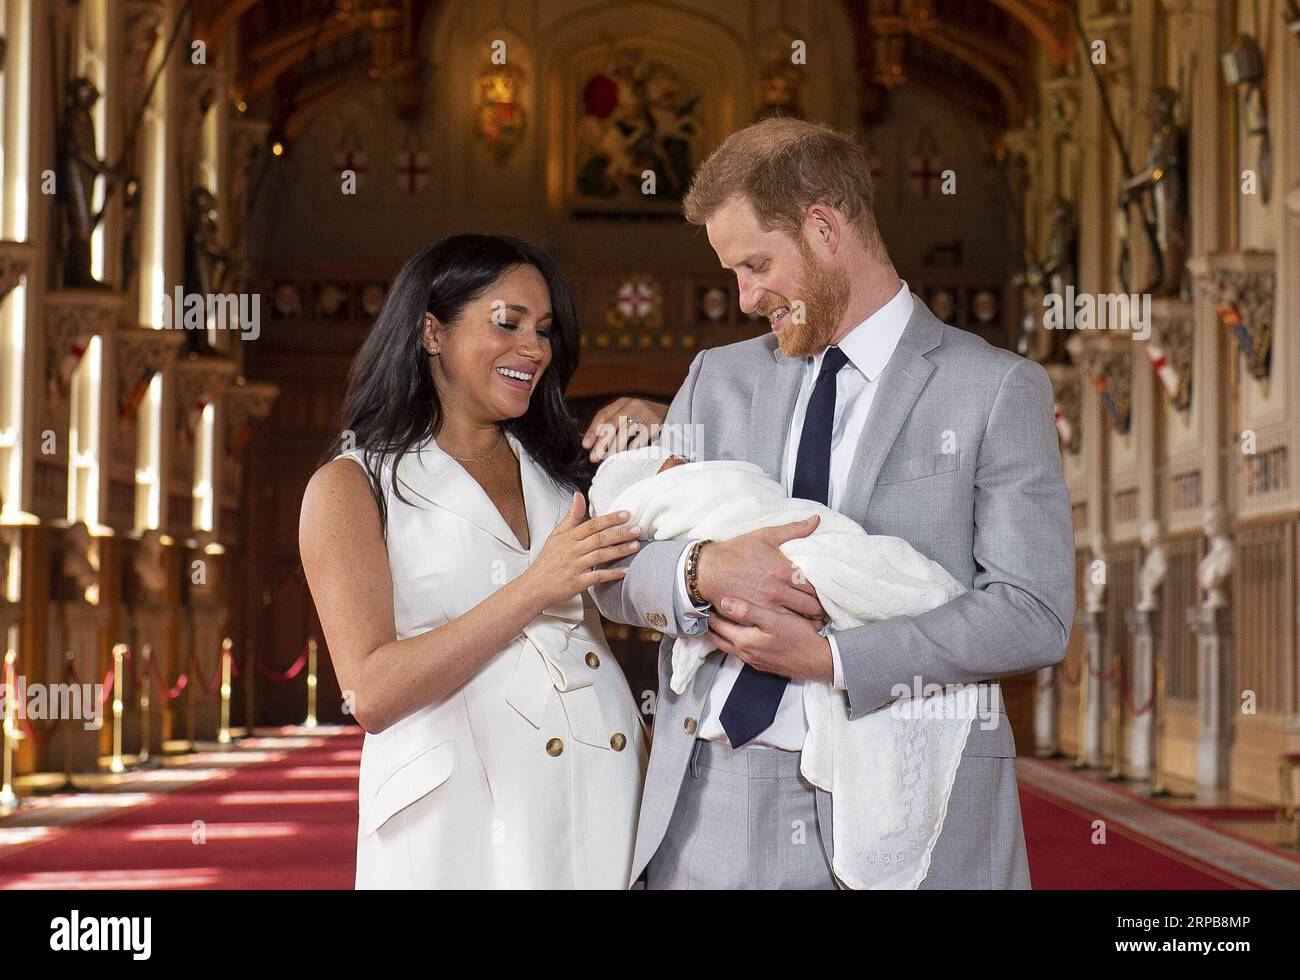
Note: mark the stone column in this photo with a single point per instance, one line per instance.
(1045, 713)
(1095, 662)
(1143, 624)
(1218, 703)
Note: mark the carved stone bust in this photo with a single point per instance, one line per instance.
(147, 565)
(1154, 567)
(1216, 566)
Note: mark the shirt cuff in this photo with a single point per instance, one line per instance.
(694, 618)
(838, 682)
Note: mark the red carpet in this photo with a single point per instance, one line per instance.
(290, 822)
(1061, 855)
(284, 823)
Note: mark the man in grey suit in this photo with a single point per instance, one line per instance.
(862, 399)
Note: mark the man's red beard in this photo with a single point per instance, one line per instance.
(824, 291)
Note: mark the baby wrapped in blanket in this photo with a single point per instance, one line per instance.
(889, 772)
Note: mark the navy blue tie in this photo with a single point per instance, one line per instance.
(751, 706)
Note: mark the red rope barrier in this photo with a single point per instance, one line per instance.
(160, 685)
(196, 669)
(281, 677)
(1109, 675)
(1125, 687)
(135, 671)
(31, 732)
(216, 679)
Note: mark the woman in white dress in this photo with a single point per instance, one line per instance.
(447, 554)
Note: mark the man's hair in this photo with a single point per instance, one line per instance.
(783, 165)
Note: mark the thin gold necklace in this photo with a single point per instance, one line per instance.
(481, 459)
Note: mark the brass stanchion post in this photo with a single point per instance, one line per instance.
(146, 654)
(119, 651)
(311, 682)
(223, 735)
(8, 798)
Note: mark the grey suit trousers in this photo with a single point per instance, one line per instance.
(745, 818)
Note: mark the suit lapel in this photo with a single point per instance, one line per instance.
(898, 388)
(771, 411)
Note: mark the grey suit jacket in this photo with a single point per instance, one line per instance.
(960, 458)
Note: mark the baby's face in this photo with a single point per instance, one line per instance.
(670, 462)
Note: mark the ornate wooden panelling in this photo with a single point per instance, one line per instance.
(1264, 602)
(1121, 596)
(1177, 596)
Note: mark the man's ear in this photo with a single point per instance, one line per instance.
(824, 226)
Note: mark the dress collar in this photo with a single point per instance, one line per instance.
(429, 476)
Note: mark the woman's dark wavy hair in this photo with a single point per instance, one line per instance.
(391, 404)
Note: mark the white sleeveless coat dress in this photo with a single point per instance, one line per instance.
(528, 776)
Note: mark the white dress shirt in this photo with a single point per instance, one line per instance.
(868, 347)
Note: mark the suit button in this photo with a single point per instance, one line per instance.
(593, 661)
(656, 620)
(555, 746)
(689, 725)
(618, 741)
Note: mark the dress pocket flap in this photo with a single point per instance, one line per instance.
(413, 779)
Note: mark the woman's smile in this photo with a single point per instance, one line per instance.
(521, 378)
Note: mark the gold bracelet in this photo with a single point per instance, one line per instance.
(692, 572)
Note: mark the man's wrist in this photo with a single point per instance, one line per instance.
(837, 664)
(692, 569)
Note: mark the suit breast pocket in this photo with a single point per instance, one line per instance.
(917, 468)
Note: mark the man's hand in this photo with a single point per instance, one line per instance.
(610, 432)
(774, 641)
(752, 567)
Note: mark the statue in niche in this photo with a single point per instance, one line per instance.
(1161, 191)
(1051, 276)
(1154, 567)
(77, 560)
(1216, 566)
(79, 167)
(205, 259)
(147, 564)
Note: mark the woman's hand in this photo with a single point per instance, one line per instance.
(610, 431)
(566, 564)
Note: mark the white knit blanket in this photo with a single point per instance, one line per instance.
(889, 772)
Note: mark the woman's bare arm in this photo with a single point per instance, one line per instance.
(346, 563)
